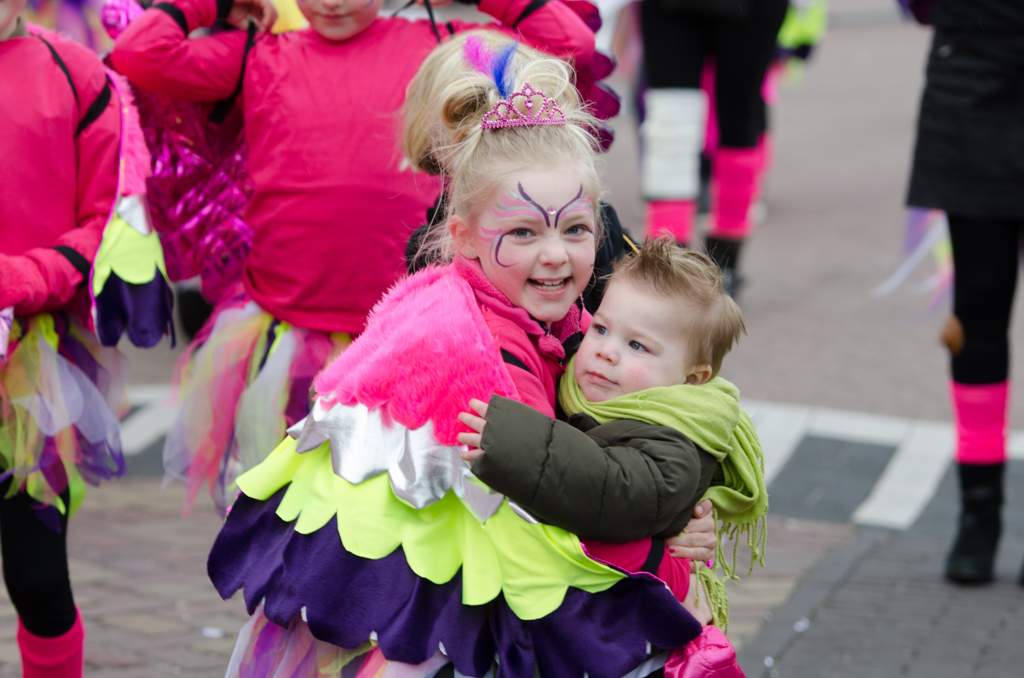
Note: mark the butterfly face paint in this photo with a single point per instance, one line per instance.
(518, 203)
(536, 240)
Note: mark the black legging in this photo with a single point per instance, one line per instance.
(36, 565)
(675, 45)
(986, 255)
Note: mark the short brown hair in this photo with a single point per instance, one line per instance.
(663, 267)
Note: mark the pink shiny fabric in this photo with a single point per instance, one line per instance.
(980, 415)
(710, 655)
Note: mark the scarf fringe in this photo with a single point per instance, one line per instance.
(714, 583)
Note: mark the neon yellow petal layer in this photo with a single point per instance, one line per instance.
(532, 564)
(135, 258)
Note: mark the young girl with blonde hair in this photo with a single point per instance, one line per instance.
(364, 544)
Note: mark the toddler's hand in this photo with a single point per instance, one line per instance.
(477, 424)
(262, 12)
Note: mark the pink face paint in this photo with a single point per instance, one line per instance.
(581, 203)
(495, 237)
(513, 204)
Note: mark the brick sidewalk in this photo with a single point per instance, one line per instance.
(879, 606)
(139, 576)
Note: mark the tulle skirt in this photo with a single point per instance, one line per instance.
(62, 394)
(266, 650)
(243, 381)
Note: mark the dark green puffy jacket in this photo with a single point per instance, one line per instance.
(615, 482)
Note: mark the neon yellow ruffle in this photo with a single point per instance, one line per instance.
(136, 258)
(532, 564)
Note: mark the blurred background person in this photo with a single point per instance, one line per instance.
(969, 161)
(679, 37)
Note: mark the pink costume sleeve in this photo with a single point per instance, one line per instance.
(530, 387)
(554, 28)
(44, 279)
(631, 556)
(156, 54)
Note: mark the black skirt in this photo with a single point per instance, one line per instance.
(969, 156)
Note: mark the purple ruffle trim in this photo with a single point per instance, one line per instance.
(144, 311)
(347, 597)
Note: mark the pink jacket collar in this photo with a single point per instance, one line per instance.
(549, 338)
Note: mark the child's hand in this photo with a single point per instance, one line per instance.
(697, 541)
(262, 12)
(477, 424)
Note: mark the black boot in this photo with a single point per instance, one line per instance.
(726, 253)
(981, 494)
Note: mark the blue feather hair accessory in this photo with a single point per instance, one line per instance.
(498, 65)
(501, 69)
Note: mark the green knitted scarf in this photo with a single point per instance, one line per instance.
(708, 414)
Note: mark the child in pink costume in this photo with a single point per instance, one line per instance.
(59, 389)
(332, 207)
(520, 235)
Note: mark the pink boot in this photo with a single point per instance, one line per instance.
(60, 657)
(670, 217)
(733, 190)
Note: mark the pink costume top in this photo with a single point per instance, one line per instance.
(526, 339)
(332, 210)
(56, 187)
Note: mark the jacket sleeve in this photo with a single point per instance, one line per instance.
(553, 28)
(619, 482)
(155, 52)
(45, 279)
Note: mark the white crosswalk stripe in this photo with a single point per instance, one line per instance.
(151, 420)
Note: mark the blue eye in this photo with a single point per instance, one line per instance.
(522, 233)
(637, 346)
(600, 329)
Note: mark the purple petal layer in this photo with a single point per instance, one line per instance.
(347, 597)
(144, 311)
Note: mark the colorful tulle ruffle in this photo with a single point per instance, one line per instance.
(240, 384)
(266, 650)
(61, 396)
(345, 600)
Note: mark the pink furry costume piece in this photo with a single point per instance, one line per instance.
(429, 346)
(330, 209)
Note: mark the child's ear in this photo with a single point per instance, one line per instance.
(698, 374)
(462, 234)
